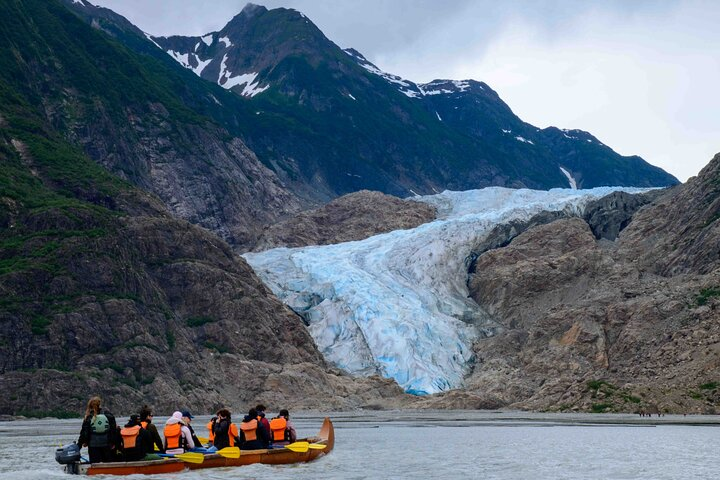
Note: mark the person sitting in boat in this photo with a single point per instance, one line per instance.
(187, 418)
(260, 409)
(135, 440)
(98, 432)
(177, 435)
(211, 435)
(282, 430)
(225, 433)
(146, 417)
(252, 434)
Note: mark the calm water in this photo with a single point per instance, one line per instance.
(456, 445)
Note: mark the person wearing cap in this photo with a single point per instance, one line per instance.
(187, 418)
(177, 435)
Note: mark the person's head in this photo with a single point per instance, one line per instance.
(93, 407)
(186, 416)
(133, 420)
(284, 413)
(260, 409)
(223, 413)
(252, 413)
(146, 414)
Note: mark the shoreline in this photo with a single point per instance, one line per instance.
(460, 418)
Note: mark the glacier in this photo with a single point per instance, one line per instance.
(396, 304)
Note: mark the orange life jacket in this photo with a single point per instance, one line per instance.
(211, 435)
(144, 424)
(173, 436)
(249, 430)
(233, 434)
(277, 427)
(130, 436)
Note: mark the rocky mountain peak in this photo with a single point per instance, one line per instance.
(251, 9)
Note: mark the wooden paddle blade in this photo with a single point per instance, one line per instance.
(191, 457)
(229, 452)
(317, 446)
(298, 447)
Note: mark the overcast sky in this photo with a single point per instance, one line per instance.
(642, 76)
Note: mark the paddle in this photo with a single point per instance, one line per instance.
(302, 447)
(190, 457)
(229, 452)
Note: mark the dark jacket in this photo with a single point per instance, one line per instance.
(99, 440)
(263, 437)
(195, 440)
(153, 437)
(221, 431)
(265, 424)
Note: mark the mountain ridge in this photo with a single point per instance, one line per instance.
(294, 74)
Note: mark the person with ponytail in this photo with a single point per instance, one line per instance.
(98, 432)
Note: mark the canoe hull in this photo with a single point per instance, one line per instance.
(278, 456)
(169, 465)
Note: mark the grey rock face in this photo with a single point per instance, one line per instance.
(611, 214)
(161, 312)
(351, 217)
(595, 325)
(200, 173)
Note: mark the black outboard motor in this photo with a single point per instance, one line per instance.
(68, 454)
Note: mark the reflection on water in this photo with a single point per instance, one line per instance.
(451, 444)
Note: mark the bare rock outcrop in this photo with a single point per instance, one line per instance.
(351, 217)
(596, 325)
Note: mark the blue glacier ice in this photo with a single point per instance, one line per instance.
(397, 304)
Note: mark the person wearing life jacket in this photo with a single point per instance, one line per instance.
(146, 418)
(187, 418)
(282, 431)
(177, 435)
(260, 409)
(252, 434)
(134, 440)
(211, 435)
(225, 433)
(98, 432)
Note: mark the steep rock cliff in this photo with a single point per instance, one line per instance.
(607, 326)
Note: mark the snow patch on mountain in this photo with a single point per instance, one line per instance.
(571, 179)
(411, 93)
(524, 140)
(201, 64)
(181, 58)
(226, 41)
(208, 39)
(462, 85)
(149, 37)
(436, 92)
(406, 87)
(228, 81)
(397, 303)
